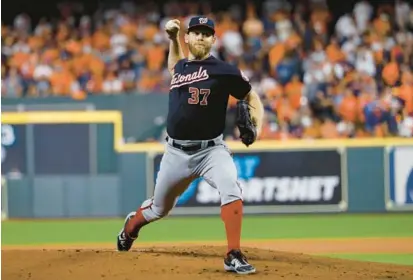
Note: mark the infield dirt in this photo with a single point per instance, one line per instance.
(280, 259)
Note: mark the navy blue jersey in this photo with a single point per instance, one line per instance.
(198, 97)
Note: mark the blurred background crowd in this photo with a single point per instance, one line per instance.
(320, 74)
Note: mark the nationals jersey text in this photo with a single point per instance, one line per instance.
(198, 97)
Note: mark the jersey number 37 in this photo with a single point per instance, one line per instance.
(199, 96)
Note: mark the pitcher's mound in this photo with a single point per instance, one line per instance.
(180, 263)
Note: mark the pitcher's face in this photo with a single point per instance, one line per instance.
(200, 41)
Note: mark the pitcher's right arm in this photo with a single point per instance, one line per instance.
(175, 50)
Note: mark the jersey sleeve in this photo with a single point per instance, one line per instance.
(238, 84)
(178, 65)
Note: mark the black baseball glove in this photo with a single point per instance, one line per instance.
(246, 126)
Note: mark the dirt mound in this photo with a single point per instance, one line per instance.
(180, 263)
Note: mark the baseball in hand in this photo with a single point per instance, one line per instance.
(172, 28)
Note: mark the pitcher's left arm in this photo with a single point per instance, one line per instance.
(250, 110)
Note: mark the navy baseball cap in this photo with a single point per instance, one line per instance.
(201, 21)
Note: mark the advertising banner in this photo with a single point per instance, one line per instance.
(277, 181)
(13, 149)
(400, 180)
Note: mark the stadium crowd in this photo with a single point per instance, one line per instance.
(318, 78)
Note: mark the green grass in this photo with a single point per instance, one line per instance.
(403, 259)
(210, 228)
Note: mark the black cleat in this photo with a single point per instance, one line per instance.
(235, 261)
(124, 241)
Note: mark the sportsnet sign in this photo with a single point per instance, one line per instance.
(268, 179)
(278, 191)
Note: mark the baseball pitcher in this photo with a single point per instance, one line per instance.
(198, 99)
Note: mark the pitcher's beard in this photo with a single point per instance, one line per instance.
(197, 52)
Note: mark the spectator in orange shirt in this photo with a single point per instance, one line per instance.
(348, 107)
(328, 129)
(155, 56)
(391, 72)
(284, 110)
(294, 91)
(405, 91)
(252, 27)
(333, 51)
(61, 80)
